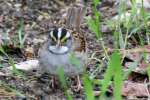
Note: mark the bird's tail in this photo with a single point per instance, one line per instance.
(75, 16)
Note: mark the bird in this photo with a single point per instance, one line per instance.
(66, 47)
(56, 52)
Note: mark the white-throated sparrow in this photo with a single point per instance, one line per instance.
(58, 50)
(63, 45)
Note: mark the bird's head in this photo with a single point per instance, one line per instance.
(60, 41)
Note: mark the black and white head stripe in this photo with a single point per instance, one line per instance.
(60, 33)
(53, 34)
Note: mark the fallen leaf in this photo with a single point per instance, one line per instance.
(28, 65)
(135, 89)
(29, 53)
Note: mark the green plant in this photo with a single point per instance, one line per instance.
(11, 62)
(95, 25)
(114, 71)
(11, 88)
(74, 61)
(88, 88)
(148, 72)
(15, 71)
(61, 75)
(21, 34)
(130, 23)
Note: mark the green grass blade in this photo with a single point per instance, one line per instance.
(62, 78)
(88, 88)
(148, 72)
(92, 26)
(121, 41)
(96, 2)
(107, 79)
(94, 23)
(74, 61)
(21, 34)
(117, 76)
(10, 88)
(2, 51)
(11, 62)
(114, 68)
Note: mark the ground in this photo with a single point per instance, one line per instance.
(38, 17)
(34, 19)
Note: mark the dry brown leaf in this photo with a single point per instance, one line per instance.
(29, 53)
(5, 94)
(135, 89)
(137, 55)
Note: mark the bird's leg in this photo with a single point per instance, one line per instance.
(53, 82)
(78, 86)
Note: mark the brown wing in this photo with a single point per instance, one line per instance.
(74, 18)
(79, 42)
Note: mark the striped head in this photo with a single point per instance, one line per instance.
(60, 41)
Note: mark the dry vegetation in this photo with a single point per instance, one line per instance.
(118, 46)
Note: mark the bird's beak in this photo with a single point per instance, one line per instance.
(58, 44)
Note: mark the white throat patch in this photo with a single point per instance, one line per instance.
(60, 50)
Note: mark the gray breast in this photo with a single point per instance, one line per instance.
(50, 63)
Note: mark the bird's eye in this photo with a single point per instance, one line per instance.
(64, 40)
(53, 41)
